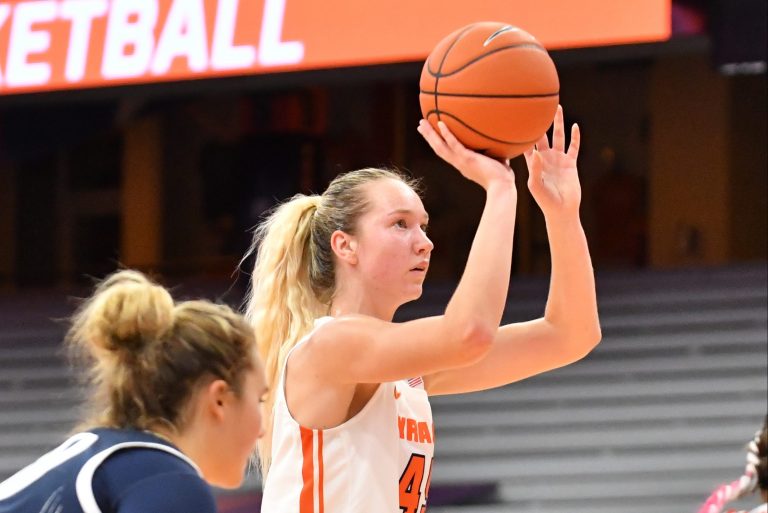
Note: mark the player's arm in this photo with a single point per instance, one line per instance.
(568, 331)
(570, 327)
(359, 349)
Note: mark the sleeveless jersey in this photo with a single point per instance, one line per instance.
(108, 471)
(379, 461)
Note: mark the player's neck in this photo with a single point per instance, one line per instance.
(360, 304)
(164, 433)
(192, 442)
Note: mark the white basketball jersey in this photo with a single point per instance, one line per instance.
(379, 461)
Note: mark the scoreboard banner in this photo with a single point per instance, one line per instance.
(72, 44)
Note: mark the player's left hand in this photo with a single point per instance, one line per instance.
(552, 175)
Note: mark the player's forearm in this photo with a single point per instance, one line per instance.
(572, 302)
(481, 293)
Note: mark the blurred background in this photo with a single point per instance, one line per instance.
(154, 134)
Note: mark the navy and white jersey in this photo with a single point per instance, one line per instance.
(109, 471)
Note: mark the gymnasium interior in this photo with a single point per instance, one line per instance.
(169, 171)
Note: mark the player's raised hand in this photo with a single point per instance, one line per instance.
(552, 174)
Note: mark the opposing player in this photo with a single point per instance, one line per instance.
(351, 427)
(176, 405)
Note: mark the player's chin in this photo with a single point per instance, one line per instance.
(414, 292)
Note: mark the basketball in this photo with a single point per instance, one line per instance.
(494, 86)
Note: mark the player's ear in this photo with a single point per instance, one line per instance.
(216, 396)
(344, 246)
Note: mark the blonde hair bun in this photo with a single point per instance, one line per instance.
(127, 312)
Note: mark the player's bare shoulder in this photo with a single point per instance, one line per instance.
(346, 329)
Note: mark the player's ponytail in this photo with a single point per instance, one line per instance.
(282, 304)
(294, 279)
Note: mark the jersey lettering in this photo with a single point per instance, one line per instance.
(415, 431)
(410, 485)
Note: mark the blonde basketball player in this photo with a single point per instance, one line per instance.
(351, 427)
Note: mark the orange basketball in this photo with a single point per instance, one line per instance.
(494, 86)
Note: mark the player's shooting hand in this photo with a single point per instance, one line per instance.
(483, 170)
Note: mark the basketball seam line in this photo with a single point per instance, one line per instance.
(442, 61)
(481, 57)
(482, 134)
(467, 95)
(447, 51)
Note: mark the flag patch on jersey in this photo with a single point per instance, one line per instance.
(416, 382)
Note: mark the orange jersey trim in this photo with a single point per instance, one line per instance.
(308, 471)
